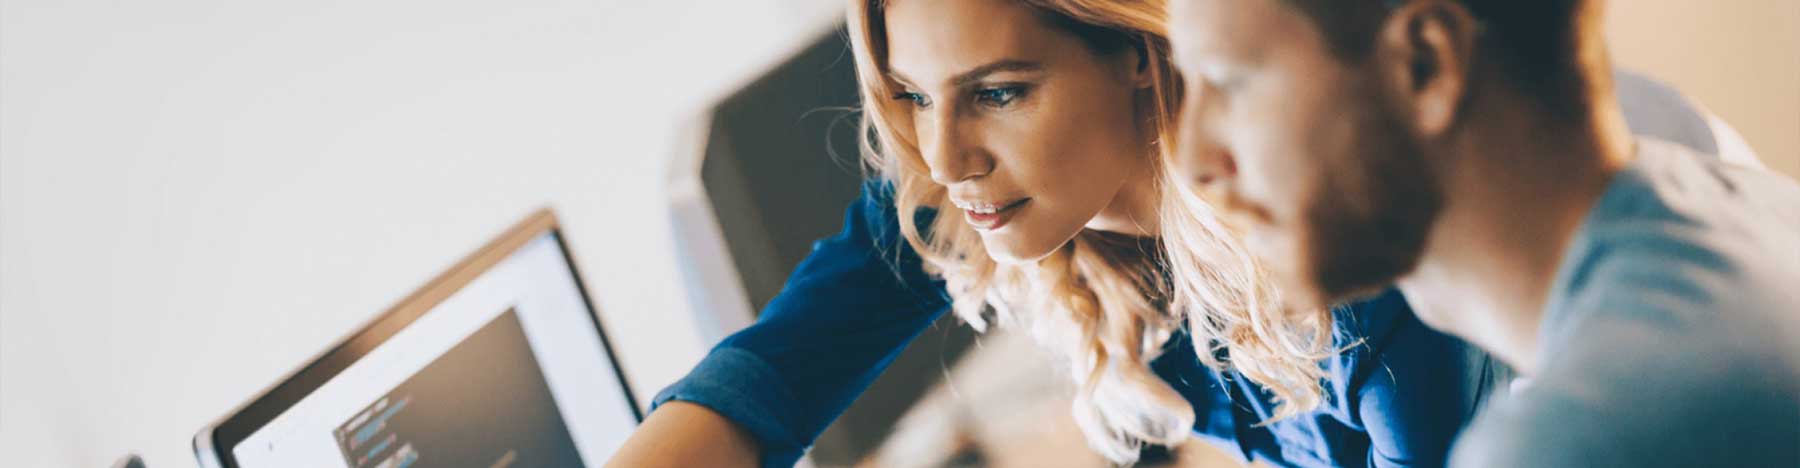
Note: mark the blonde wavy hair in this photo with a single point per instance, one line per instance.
(1106, 303)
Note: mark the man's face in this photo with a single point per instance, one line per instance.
(1298, 146)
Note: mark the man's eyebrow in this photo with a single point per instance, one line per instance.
(977, 73)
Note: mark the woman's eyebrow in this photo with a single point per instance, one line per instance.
(1004, 65)
(977, 73)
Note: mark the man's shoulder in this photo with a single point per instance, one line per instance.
(1691, 248)
(1641, 406)
(1673, 182)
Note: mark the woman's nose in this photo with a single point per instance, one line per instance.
(953, 152)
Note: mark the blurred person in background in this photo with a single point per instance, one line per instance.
(1473, 153)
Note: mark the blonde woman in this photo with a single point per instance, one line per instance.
(1018, 145)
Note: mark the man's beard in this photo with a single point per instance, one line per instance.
(1367, 223)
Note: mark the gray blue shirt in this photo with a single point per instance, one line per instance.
(1671, 336)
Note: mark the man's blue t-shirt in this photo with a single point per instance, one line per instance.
(1671, 336)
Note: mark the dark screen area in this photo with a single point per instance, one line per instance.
(482, 404)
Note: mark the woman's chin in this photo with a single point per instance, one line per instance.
(1012, 252)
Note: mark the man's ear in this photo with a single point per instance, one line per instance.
(1424, 56)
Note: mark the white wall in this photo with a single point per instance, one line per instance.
(198, 195)
(1739, 58)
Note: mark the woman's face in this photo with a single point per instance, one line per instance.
(1033, 134)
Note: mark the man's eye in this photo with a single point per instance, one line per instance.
(1222, 78)
(1228, 83)
(999, 97)
(1219, 76)
(918, 100)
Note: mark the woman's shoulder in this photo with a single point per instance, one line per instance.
(1383, 344)
(1371, 321)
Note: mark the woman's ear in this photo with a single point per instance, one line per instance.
(1423, 57)
(1141, 67)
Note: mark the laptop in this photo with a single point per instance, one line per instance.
(500, 361)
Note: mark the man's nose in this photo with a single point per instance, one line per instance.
(1200, 158)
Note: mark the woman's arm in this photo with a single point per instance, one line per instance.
(681, 434)
(844, 315)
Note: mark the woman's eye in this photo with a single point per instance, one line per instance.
(918, 100)
(999, 97)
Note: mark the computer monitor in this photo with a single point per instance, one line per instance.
(500, 361)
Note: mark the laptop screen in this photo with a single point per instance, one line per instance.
(508, 370)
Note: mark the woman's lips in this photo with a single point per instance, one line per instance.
(988, 220)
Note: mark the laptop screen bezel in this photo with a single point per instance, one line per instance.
(219, 439)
